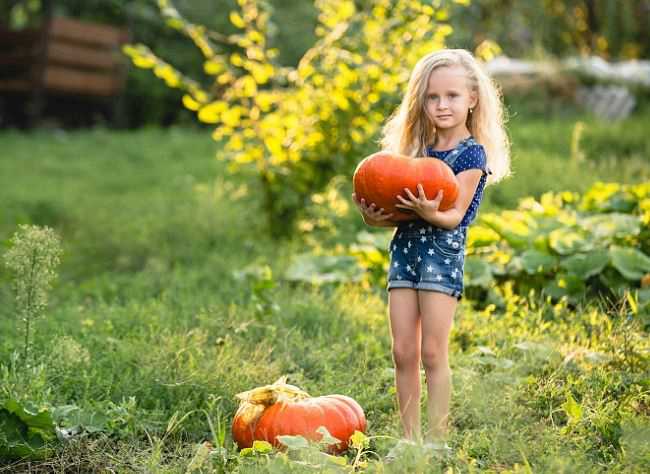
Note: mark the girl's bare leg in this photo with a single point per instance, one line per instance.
(437, 315)
(405, 330)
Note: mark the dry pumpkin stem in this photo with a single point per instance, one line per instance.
(279, 391)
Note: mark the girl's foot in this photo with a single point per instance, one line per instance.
(397, 450)
(438, 448)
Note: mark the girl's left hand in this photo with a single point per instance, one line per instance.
(419, 204)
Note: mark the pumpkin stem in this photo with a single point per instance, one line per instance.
(279, 391)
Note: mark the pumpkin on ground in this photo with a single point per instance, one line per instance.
(380, 177)
(281, 409)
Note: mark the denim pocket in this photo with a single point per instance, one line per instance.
(449, 243)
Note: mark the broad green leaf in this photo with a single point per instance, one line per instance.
(477, 272)
(25, 432)
(359, 440)
(630, 262)
(565, 285)
(293, 442)
(481, 236)
(535, 261)
(262, 446)
(513, 226)
(572, 409)
(247, 452)
(318, 269)
(327, 437)
(612, 225)
(569, 241)
(586, 265)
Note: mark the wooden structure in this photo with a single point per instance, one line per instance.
(65, 58)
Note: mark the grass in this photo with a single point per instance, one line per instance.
(163, 312)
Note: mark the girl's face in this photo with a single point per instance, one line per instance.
(448, 97)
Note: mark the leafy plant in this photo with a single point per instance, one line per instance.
(298, 127)
(33, 258)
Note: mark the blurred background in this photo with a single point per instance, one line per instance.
(595, 33)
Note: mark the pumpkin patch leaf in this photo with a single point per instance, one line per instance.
(262, 447)
(569, 241)
(477, 272)
(24, 431)
(585, 265)
(611, 226)
(630, 262)
(359, 440)
(327, 437)
(318, 269)
(535, 261)
(293, 442)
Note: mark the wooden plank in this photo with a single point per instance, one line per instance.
(75, 31)
(87, 83)
(27, 37)
(82, 56)
(15, 85)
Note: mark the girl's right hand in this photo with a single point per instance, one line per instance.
(371, 211)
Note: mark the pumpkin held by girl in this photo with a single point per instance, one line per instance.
(380, 177)
(279, 409)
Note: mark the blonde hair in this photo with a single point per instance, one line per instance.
(409, 129)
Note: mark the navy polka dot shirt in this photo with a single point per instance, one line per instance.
(472, 157)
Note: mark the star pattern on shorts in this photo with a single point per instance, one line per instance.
(447, 261)
(429, 268)
(430, 252)
(422, 231)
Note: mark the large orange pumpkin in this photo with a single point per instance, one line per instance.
(380, 177)
(280, 409)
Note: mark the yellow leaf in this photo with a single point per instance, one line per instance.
(255, 37)
(213, 67)
(358, 440)
(231, 117)
(236, 60)
(143, 62)
(190, 103)
(247, 86)
(211, 113)
(237, 20)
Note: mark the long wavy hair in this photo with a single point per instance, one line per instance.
(409, 130)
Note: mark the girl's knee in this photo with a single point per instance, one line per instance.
(406, 355)
(435, 357)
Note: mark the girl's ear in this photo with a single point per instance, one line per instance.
(473, 99)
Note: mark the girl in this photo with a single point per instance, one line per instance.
(451, 111)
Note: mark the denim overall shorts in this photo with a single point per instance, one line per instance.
(425, 257)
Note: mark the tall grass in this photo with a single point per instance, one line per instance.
(163, 313)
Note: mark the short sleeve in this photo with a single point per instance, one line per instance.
(473, 157)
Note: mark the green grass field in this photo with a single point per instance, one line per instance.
(170, 301)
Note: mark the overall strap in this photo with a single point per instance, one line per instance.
(451, 158)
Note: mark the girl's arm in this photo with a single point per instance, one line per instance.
(452, 217)
(428, 209)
